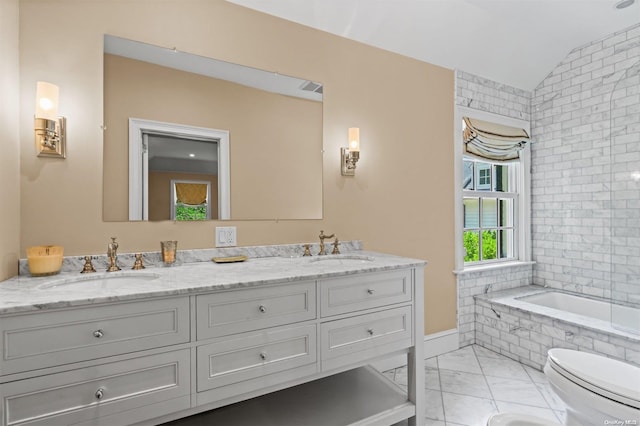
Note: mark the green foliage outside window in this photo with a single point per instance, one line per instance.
(191, 212)
(472, 249)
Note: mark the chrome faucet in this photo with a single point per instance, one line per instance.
(322, 251)
(112, 253)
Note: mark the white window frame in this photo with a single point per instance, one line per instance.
(523, 207)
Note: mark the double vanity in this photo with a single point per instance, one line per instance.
(159, 344)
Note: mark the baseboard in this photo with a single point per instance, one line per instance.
(440, 343)
(434, 344)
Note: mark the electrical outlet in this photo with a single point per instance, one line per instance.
(226, 236)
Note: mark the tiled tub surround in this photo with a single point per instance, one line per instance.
(480, 281)
(73, 264)
(509, 325)
(163, 343)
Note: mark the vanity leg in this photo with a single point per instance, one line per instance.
(415, 357)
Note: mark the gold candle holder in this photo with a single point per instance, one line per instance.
(169, 249)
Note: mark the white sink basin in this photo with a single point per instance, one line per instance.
(111, 280)
(342, 259)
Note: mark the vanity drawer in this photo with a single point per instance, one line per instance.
(362, 337)
(364, 291)
(51, 338)
(97, 392)
(232, 312)
(251, 355)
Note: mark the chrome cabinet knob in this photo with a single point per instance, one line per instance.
(370, 331)
(98, 334)
(263, 356)
(370, 291)
(99, 394)
(262, 308)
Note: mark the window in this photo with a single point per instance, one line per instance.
(490, 198)
(190, 200)
(492, 189)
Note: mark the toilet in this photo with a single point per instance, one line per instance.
(514, 419)
(596, 390)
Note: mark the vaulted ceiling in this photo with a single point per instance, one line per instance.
(514, 42)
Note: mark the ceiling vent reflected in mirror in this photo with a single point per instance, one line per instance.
(310, 86)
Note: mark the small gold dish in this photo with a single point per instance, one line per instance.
(230, 259)
(44, 260)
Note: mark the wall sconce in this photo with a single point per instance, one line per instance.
(351, 155)
(49, 128)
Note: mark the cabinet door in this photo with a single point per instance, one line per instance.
(256, 354)
(93, 392)
(58, 337)
(222, 314)
(364, 291)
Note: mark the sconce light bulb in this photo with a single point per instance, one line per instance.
(46, 103)
(354, 139)
(46, 100)
(635, 176)
(192, 155)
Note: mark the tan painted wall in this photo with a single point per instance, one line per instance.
(261, 126)
(160, 192)
(9, 140)
(400, 201)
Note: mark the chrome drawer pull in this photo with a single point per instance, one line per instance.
(99, 393)
(370, 291)
(262, 308)
(370, 331)
(263, 356)
(98, 334)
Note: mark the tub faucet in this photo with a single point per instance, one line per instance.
(112, 253)
(322, 251)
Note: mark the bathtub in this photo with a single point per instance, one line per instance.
(524, 323)
(623, 317)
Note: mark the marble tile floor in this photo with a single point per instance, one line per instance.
(465, 387)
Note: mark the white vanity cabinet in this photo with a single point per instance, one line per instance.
(107, 364)
(154, 360)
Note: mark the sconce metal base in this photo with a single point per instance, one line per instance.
(51, 137)
(348, 161)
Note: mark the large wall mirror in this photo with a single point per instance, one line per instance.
(194, 138)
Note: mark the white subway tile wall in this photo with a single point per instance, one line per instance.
(486, 95)
(585, 203)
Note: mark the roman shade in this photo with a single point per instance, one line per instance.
(193, 194)
(493, 141)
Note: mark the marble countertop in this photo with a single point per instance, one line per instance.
(25, 294)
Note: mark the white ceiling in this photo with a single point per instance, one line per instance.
(514, 42)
